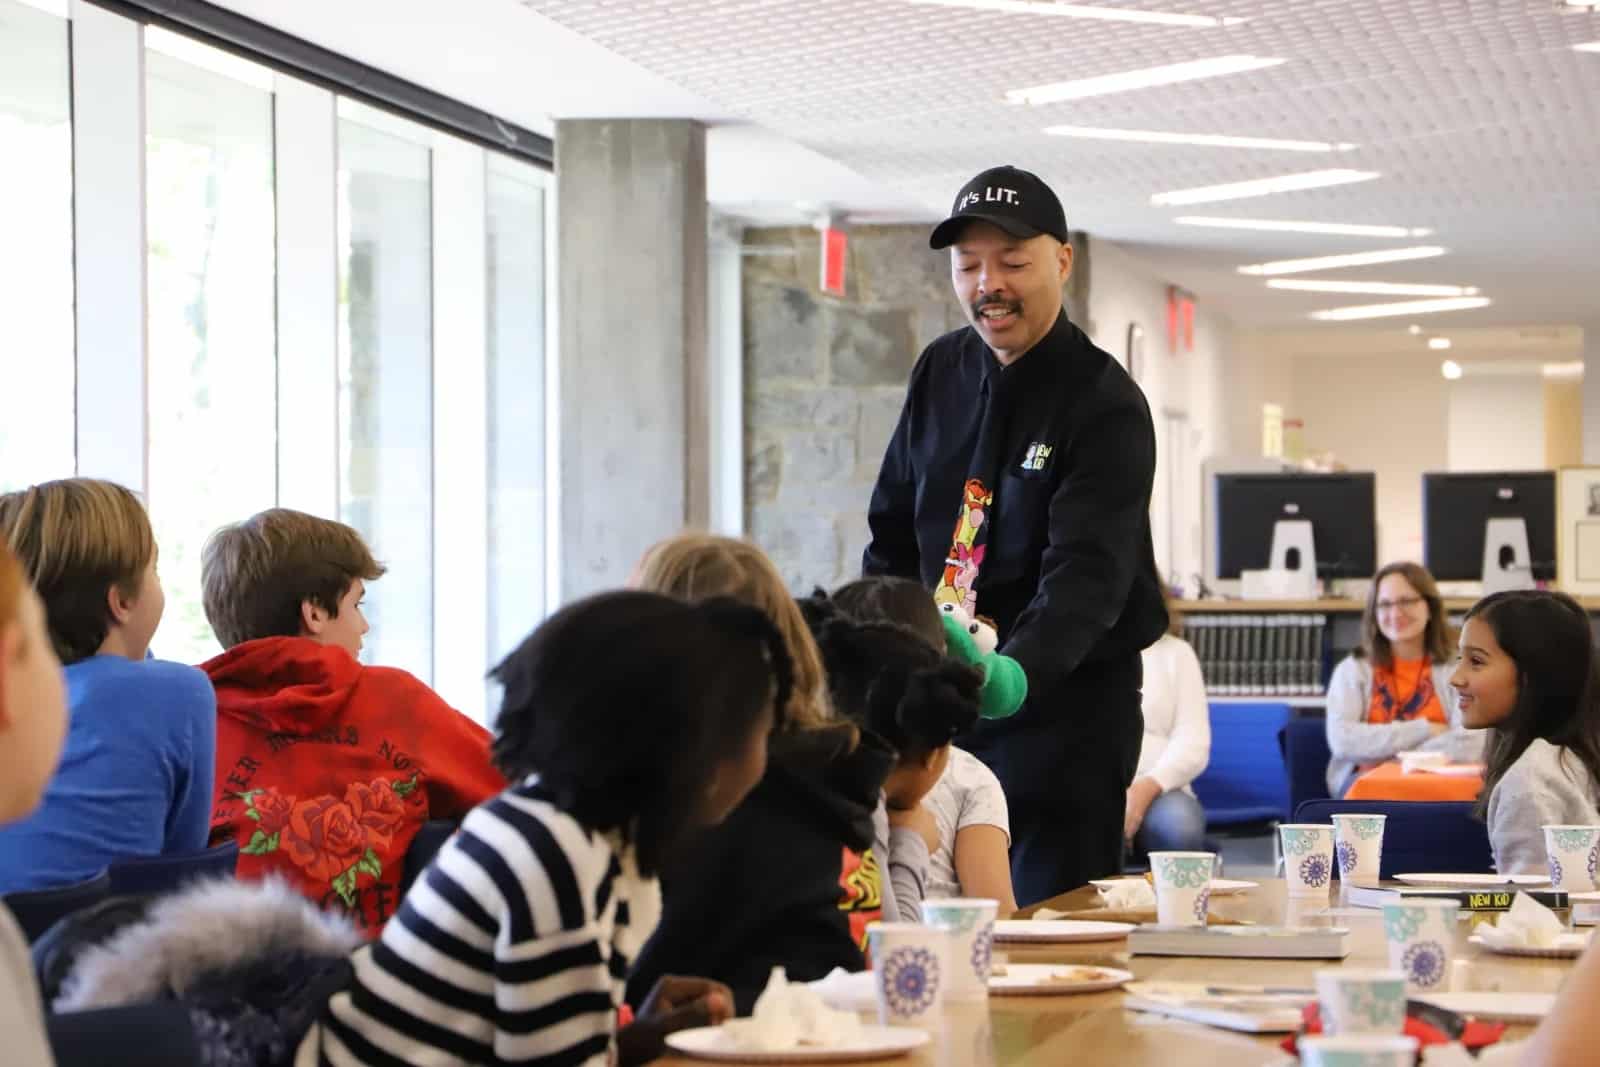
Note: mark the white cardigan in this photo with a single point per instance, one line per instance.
(1177, 717)
(1353, 740)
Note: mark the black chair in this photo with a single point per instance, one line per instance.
(36, 910)
(423, 848)
(1304, 744)
(156, 1034)
(1418, 836)
(148, 875)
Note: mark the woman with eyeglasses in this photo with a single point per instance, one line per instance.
(1392, 694)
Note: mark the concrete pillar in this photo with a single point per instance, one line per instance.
(634, 435)
(1591, 394)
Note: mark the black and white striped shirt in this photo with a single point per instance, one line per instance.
(512, 948)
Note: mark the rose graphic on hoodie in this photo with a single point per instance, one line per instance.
(333, 841)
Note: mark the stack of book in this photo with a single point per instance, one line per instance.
(1247, 942)
(1259, 655)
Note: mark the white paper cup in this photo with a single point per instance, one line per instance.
(1183, 886)
(909, 967)
(1358, 1050)
(1358, 846)
(1574, 853)
(1307, 858)
(970, 926)
(1356, 1001)
(1421, 934)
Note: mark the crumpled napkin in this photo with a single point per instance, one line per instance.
(1529, 924)
(845, 990)
(790, 1014)
(1127, 894)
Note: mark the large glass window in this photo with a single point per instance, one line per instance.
(37, 427)
(212, 371)
(385, 377)
(516, 336)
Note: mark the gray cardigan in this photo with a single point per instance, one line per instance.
(1353, 740)
(1546, 785)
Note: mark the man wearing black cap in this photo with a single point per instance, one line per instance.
(1017, 486)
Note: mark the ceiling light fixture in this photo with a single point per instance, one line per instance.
(1570, 370)
(1353, 259)
(1587, 46)
(1283, 183)
(1309, 285)
(1204, 140)
(1450, 369)
(1087, 11)
(1408, 307)
(1147, 78)
(1439, 344)
(1337, 229)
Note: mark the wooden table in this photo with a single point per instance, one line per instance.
(1387, 781)
(1094, 1028)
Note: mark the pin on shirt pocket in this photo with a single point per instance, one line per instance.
(1035, 462)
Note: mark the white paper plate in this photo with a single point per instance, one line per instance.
(1049, 979)
(1220, 887)
(1497, 1007)
(875, 1043)
(1567, 946)
(1059, 931)
(1473, 881)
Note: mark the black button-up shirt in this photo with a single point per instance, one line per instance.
(1069, 574)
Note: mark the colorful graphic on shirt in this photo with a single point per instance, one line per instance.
(1037, 456)
(958, 585)
(1403, 692)
(860, 892)
(332, 841)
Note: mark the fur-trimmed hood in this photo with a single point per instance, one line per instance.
(254, 964)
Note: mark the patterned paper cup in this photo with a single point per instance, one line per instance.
(1364, 1050)
(1307, 858)
(908, 973)
(1183, 886)
(970, 926)
(1362, 1002)
(1574, 853)
(1420, 934)
(1358, 846)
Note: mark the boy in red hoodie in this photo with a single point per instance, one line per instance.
(326, 768)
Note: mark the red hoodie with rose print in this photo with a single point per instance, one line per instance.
(327, 768)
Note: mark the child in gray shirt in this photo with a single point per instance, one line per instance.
(1527, 674)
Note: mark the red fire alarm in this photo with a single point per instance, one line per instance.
(1180, 319)
(834, 246)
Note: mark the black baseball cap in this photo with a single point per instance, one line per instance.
(1013, 199)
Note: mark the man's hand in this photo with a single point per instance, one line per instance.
(1141, 794)
(673, 1004)
(918, 818)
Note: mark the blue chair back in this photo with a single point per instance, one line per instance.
(36, 910)
(423, 848)
(161, 874)
(1418, 836)
(1304, 743)
(1244, 780)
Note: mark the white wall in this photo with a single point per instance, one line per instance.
(1496, 423)
(1381, 413)
(1187, 392)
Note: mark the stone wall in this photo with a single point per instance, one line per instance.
(824, 380)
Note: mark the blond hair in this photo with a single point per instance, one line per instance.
(255, 574)
(75, 539)
(11, 582)
(696, 566)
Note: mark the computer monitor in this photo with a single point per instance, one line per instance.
(1340, 507)
(1456, 509)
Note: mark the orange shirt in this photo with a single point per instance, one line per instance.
(1404, 691)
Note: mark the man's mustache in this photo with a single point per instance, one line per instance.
(995, 301)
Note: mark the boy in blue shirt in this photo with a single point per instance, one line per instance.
(136, 772)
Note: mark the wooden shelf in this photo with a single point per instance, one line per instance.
(1327, 606)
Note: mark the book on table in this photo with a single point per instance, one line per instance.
(1244, 942)
(1250, 1009)
(1492, 896)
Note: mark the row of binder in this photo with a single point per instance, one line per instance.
(1259, 655)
